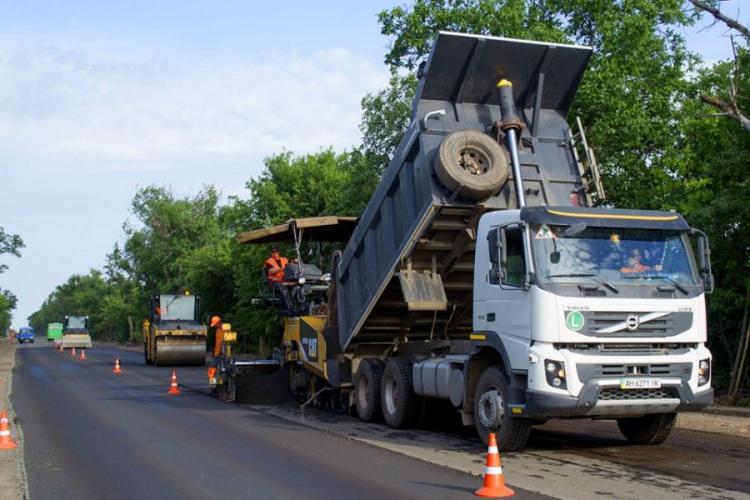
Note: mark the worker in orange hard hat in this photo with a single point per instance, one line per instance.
(216, 323)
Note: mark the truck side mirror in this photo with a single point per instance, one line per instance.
(704, 261)
(496, 239)
(554, 257)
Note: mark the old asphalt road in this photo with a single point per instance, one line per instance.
(88, 434)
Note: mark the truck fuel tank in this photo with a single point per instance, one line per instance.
(441, 378)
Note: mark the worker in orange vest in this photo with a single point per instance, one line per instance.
(216, 323)
(274, 271)
(274, 265)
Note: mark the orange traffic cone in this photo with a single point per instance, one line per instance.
(83, 354)
(73, 352)
(173, 389)
(6, 442)
(117, 366)
(494, 483)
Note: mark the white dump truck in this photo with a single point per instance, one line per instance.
(484, 270)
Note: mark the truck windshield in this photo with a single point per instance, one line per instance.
(618, 256)
(177, 307)
(76, 322)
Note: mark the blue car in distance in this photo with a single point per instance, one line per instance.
(25, 334)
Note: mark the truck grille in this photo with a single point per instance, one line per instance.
(617, 394)
(661, 327)
(587, 372)
(614, 324)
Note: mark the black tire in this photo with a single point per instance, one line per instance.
(492, 414)
(473, 160)
(649, 429)
(401, 407)
(228, 390)
(367, 384)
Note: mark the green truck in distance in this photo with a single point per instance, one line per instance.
(54, 331)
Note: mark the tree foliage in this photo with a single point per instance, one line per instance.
(171, 228)
(10, 244)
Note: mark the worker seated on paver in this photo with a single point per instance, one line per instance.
(273, 270)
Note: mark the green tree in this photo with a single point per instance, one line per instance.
(5, 316)
(10, 244)
(713, 194)
(81, 295)
(171, 228)
(385, 118)
(324, 183)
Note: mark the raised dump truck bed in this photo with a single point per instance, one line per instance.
(407, 272)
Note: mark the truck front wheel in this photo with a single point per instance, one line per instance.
(401, 407)
(649, 429)
(491, 413)
(367, 389)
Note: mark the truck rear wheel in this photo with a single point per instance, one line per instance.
(401, 406)
(492, 414)
(648, 429)
(474, 161)
(367, 389)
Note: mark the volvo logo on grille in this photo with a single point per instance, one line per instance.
(632, 322)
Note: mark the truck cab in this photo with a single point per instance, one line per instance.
(54, 332)
(580, 327)
(25, 334)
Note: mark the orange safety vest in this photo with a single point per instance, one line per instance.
(279, 276)
(219, 340)
(640, 268)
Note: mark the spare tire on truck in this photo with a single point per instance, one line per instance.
(473, 161)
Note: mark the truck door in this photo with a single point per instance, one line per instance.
(507, 308)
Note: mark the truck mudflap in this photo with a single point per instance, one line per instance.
(607, 400)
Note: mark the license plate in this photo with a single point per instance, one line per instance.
(640, 383)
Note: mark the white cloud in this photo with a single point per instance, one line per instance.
(64, 104)
(80, 131)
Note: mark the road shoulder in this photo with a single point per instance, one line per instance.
(11, 465)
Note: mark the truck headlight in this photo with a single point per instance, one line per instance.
(302, 280)
(555, 371)
(704, 371)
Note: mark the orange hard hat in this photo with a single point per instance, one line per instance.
(215, 320)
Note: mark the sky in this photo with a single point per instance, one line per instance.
(99, 99)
